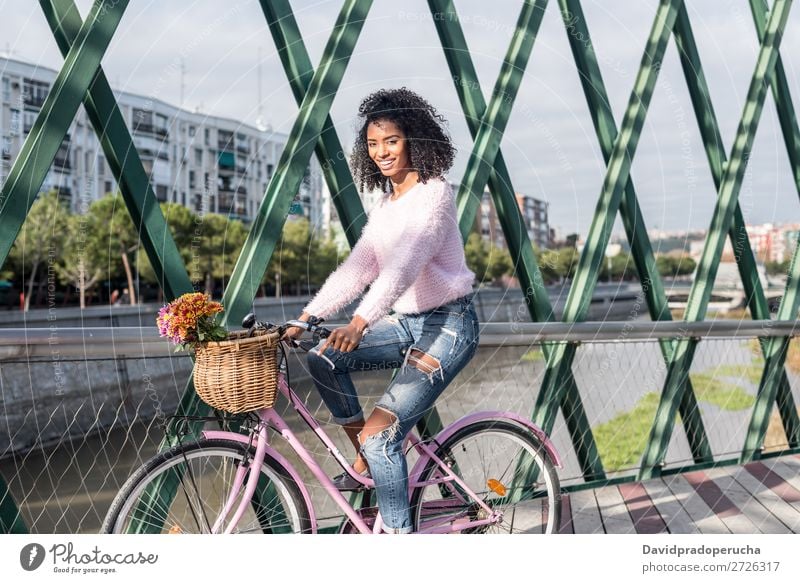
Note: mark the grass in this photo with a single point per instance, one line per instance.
(726, 396)
(533, 355)
(621, 440)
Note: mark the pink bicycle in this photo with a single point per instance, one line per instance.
(488, 472)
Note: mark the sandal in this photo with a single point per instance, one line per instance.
(344, 482)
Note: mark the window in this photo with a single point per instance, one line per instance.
(6, 148)
(162, 124)
(108, 186)
(142, 120)
(14, 127)
(101, 165)
(191, 179)
(198, 156)
(161, 192)
(34, 92)
(192, 131)
(6, 89)
(208, 137)
(29, 117)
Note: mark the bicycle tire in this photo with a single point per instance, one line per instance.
(539, 509)
(287, 492)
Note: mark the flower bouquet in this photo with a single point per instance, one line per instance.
(190, 320)
(234, 372)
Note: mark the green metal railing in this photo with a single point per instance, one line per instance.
(81, 79)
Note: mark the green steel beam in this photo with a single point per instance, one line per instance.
(314, 110)
(58, 110)
(298, 67)
(717, 158)
(475, 109)
(115, 139)
(11, 521)
(29, 170)
(614, 183)
(494, 120)
(632, 219)
(268, 224)
(678, 370)
(774, 386)
(712, 140)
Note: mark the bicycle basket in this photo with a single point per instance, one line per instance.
(239, 374)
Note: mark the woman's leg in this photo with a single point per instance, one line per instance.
(381, 348)
(446, 341)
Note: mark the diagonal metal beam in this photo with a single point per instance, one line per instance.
(126, 165)
(678, 370)
(594, 90)
(774, 385)
(58, 110)
(494, 119)
(614, 183)
(268, 224)
(478, 119)
(717, 158)
(29, 170)
(297, 64)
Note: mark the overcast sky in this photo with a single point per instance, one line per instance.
(550, 145)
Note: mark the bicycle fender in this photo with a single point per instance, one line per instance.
(244, 439)
(504, 416)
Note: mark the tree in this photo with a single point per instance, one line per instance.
(475, 254)
(116, 240)
(777, 267)
(81, 265)
(41, 239)
(300, 259)
(671, 265)
(186, 231)
(549, 265)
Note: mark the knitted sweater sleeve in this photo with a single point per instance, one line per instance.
(421, 238)
(348, 280)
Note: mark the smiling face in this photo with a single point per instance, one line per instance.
(388, 148)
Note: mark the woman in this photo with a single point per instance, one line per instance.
(411, 255)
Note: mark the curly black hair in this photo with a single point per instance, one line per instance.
(430, 149)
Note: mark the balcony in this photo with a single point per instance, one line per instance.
(148, 129)
(34, 100)
(62, 164)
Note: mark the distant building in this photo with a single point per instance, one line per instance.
(534, 216)
(206, 163)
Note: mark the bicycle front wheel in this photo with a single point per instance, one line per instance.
(184, 490)
(506, 466)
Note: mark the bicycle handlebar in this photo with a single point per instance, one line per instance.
(313, 325)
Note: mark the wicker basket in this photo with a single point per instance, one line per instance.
(239, 374)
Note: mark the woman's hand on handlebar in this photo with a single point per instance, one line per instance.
(293, 332)
(346, 338)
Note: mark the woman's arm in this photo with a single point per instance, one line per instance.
(347, 281)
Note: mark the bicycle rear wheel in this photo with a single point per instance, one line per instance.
(183, 490)
(495, 459)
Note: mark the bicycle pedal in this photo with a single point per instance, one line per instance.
(368, 515)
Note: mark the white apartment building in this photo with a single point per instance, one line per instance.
(204, 162)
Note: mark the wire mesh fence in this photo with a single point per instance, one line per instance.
(73, 429)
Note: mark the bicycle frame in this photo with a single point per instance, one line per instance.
(269, 417)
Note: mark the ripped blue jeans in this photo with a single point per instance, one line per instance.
(448, 335)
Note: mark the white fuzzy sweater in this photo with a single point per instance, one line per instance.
(411, 253)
